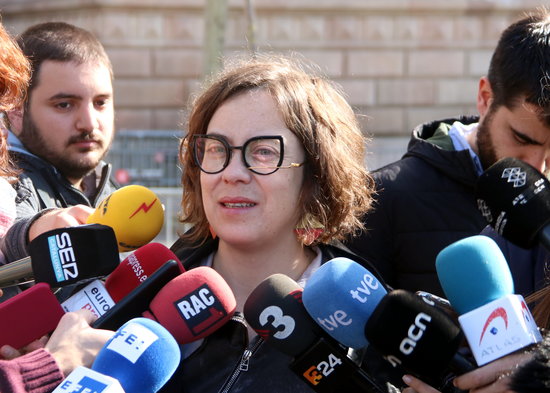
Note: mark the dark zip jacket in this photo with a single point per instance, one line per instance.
(425, 202)
(226, 361)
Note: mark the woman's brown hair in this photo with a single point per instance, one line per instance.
(337, 189)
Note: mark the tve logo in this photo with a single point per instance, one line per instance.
(132, 341)
(200, 309)
(62, 257)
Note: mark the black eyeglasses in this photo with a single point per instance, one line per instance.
(261, 154)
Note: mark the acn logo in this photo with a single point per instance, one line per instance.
(497, 313)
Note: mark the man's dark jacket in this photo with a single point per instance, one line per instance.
(425, 202)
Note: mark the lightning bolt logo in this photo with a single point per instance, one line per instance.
(497, 313)
(144, 207)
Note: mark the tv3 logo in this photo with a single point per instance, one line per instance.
(315, 374)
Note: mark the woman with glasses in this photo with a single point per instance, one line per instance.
(273, 176)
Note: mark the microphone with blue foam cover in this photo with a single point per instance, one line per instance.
(142, 355)
(340, 296)
(514, 198)
(477, 281)
(416, 335)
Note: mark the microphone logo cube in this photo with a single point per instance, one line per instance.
(132, 341)
(62, 257)
(200, 309)
(515, 175)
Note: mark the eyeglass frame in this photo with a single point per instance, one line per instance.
(242, 148)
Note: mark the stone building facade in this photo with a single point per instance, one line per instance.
(401, 62)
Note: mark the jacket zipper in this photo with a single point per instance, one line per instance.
(242, 365)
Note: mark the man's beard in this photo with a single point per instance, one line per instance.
(485, 147)
(37, 144)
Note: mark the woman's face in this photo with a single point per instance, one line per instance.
(242, 207)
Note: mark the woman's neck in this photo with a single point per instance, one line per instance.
(244, 269)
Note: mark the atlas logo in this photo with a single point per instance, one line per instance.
(497, 313)
(515, 176)
(143, 207)
(525, 311)
(200, 309)
(62, 257)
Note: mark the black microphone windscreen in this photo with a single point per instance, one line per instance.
(275, 311)
(66, 256)
(514, 197)
(408, 331)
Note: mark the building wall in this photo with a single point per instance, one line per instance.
(401, 62)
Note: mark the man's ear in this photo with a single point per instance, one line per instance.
(484, 96)
(15, 118)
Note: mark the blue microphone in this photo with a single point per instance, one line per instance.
(341, 296)
(477, 281)
(142, 355)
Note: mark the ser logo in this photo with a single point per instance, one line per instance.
(315, 374)
(62, 257)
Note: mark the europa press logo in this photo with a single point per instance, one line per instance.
(499, 312)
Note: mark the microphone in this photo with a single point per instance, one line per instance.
(137, 301)
(194, 304)
(65, 256)
(417, 336)
(134, 212)
(137, 266)
(83, 379)
(139, 358)
(275, 311)
(514, 197)
(142, 355)
(340, 296)
(131, 272)
(28, 316)
(477, 281)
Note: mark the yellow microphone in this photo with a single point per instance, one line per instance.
(134, 212)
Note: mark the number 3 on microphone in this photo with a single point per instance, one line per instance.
(313, 374)
(283, 323)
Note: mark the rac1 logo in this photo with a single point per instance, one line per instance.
(62, 257)
(200, 309)
(315, 374)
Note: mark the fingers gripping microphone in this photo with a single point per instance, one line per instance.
(514, 197)
(135, 269)
(142, 355)
(134, 212)
(139, 358)
(419, 337)
(194, 304)
(275, 311)
(341, 295)
(477, 281)
(65, 256)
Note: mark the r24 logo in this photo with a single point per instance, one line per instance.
(314, 374)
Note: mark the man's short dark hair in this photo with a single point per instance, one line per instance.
(520, 66)
(60, 41)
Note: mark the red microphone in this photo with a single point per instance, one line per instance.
(29, 315)
(135, 269)
(128, 275)
(194, 304)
